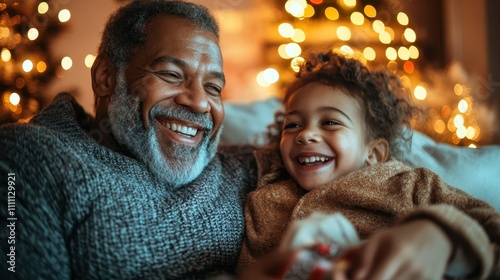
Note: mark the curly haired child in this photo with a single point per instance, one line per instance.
(335, 152)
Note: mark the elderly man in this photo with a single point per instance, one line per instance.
(139, 191)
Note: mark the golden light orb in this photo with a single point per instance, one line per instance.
(64, 15)
(369, 53)
(420, 93)
(403, 18)
(344, 33)
(370, 11)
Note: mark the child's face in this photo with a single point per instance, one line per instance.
(323, 135)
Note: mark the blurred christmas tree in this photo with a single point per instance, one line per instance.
(377, 32)
(26, 28)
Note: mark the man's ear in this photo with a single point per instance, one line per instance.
(103, 76)
(379, 151)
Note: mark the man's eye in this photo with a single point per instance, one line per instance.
(214, 90)
(169, 74)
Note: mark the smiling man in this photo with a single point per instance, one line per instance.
(139, 192)
(172, 122)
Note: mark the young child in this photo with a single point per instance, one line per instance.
(337, 140)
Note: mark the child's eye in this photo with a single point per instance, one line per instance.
(291, 125)
(331, 122)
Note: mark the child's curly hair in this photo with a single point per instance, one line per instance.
(386, 103)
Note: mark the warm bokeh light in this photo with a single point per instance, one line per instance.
(346, 50)
(439, 126)
(463, 106)
(461, 132)
(268, 77)
(378, 26)
(41, 66)
(27, 65)
(369, 53)
(350, 3)
(296, 62)
(286, 30)
(370, 11)
(64, 15)
(403, 18)
(410, 35)
(299, 36)
(384, 37)
(296, 8)
(357, 18)
(89, 60)
(391, 53)
(414, 53)
(282, 51)
(261, 81)
(309, 11)
(458, 121)
(293, 49)
(420, 93)
(43, 8)
(445, 111)
(471, 133)
(344, 33)
(408, 67)
(331, 13)
(5, 55)
(66, 63)
(14, 98)
(32, 34)
(458, 89)
(403, 53)
(271, 75)
(391, 32)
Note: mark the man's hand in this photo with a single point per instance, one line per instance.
(416, 250)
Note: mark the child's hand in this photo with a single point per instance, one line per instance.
(416, 250)
(320, 228)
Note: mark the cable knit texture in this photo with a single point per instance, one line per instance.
(86, 212)
(371, 198)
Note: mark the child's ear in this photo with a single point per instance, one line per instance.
(379, 151)
(103, 76)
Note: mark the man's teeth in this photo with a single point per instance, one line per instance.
(191, 131)
(303, 160)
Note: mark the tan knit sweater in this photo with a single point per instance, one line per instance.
(372, 198)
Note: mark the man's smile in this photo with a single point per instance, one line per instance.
(181, 131)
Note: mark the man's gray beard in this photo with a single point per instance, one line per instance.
(178, 165)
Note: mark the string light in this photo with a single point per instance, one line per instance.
(26, 62)
(397, 44)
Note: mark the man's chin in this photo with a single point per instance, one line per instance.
(175, 163)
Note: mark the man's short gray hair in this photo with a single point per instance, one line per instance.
(125, 30)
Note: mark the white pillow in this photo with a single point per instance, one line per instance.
(476, 171)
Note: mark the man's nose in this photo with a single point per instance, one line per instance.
(308, 136)
(194, 96)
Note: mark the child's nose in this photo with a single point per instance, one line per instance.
(308, 136)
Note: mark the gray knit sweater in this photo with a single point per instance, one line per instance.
(86, 212)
